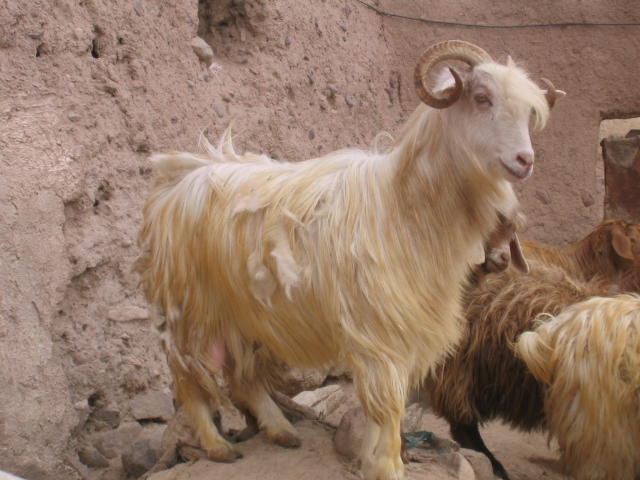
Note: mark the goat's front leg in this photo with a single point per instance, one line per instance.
(382, 394)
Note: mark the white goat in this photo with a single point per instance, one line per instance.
(355, 257)
(588, 358)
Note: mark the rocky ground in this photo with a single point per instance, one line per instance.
(330, 423)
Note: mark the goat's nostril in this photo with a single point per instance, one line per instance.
(505, 257)
(524, 160)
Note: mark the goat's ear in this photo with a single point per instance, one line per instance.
(559, 93)
(517, 257)
(621, 243)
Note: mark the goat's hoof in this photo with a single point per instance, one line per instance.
(221, 453)
(285, 438)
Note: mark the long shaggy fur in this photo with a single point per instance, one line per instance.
(484, 380)
(355, 257)
(588, 358)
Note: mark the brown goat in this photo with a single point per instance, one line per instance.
(488, 375)
(485, 380)
(608, 251)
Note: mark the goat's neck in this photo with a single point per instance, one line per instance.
(455, 195)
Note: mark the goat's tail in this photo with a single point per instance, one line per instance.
(536, 353)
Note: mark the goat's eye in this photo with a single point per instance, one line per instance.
(481, 98)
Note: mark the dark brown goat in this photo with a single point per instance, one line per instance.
(485, 381)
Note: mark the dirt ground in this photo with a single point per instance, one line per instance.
(525, 456)
(90, 89)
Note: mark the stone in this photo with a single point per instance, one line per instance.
(74, 117)
(83, 410)
(109, 415)
(348, 437)
(138, 7)
(413, 418)
(140, 457)
(296, 380)
(92, 458)
(152, 406)
(543, 195)
(480, 464)
(457, 465)
(202, 49)
(587, 199)
(322, 401)
(128, 314)
(349, 100)
(219, 109)
(112, 443)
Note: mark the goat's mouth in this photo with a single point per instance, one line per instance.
(494, 266)
(519, 173)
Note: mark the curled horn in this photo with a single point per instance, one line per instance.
(551, 94)
(451, 50)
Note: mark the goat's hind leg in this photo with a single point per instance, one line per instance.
(250, 383)
(199, 409)
(468, 436)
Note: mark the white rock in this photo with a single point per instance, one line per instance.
(202, 50)
(413, 418)
(311, 398)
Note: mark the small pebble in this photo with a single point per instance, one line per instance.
(587, 199)
(349, 100)
(219, 110)
(543, 195)
(287, 41)
(225, 98)
(202, 50)
(312, 134)
(342, 26)
(174, 120)
(190, 84)
(312, 78)
(138, 7)
(74, 117)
